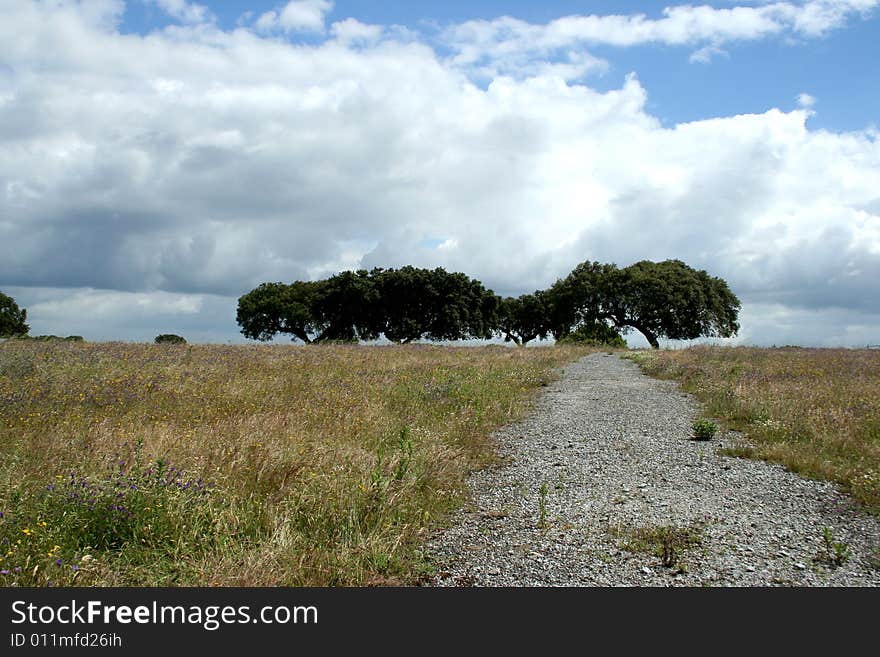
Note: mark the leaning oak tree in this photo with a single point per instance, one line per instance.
(12, 318)
(659, 299)
(524, 318)
(273, 308)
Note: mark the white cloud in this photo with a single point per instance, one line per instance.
(110, 314)
(101, 304)
(195, 162)
(351, 30)
(295, 16)
(705, 54)
(186, 12)
(477, 42)
(805, 100)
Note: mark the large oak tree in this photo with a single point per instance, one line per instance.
(665, 299)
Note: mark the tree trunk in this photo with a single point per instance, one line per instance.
(528, 338)
(649, 335)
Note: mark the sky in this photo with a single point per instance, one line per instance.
(160, 158)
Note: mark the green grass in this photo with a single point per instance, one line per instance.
(132, 464)
(816, 411)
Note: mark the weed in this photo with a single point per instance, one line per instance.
(667, 542)
(542, 505)
(833, 553)
(704, 429)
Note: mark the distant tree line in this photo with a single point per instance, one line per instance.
(595, 303)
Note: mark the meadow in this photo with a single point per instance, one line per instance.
(157, 465)
(816, 411)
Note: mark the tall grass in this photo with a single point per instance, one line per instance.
(817, 411)
(151, 465)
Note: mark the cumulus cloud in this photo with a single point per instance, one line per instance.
(295, 16)
(352, 30)
(507, 39)
(805, 100)
(186, 12)
(172, 172)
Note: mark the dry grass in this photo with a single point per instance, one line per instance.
(817, 411)
(129, 464)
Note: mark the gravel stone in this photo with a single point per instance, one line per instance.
(614, 449)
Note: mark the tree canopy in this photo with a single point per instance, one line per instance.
(433, 304)
(596, 302)
(524, 318)
(273, 308)
(659, 299)
(12, 318)
(403, 304)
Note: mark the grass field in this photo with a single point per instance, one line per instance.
(817, 411)
(128, 464)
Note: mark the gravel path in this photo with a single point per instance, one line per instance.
(612, 448)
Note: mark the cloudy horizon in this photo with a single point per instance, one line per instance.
(159, 158)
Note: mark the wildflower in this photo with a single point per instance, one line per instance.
(74, 567)
(4, 572)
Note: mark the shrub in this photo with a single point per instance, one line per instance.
(169, 338)
(704, 429)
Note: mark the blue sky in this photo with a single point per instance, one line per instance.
(840, 69)
(159, 158)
